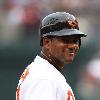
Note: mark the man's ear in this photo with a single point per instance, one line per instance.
(46, 42)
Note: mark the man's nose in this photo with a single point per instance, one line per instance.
(73, 48)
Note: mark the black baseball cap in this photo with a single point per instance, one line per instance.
(60, 24)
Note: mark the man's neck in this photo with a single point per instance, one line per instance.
(57, 64)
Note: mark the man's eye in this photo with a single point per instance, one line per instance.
(76, 41)
(66, 41)
(71, 41)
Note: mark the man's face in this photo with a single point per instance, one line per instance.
(64, 49)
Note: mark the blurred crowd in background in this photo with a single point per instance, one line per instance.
(19, 23)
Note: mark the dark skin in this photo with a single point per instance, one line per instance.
(60, 50)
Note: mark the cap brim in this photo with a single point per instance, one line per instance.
(66, 32)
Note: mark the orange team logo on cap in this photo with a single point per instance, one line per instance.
(70, 95)
(72, 24)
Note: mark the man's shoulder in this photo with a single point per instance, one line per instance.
(40, 69)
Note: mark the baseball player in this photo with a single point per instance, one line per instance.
(60, 40)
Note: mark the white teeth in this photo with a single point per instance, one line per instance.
(69, 49)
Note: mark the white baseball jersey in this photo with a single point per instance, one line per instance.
(42, 81)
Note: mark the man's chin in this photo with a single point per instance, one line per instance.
(69, 61)
(69, 58)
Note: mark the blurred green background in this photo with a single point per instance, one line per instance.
(19, 43)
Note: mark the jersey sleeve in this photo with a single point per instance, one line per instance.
(40, 90)
(70, 95)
